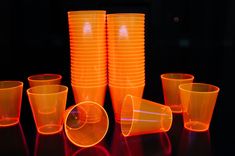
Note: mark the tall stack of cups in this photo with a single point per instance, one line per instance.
(88, 55)
(126, 57)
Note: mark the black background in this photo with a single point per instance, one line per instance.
(188, 36)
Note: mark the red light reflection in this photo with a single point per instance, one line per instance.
(12, 141)
(195, 143)
(50, 144)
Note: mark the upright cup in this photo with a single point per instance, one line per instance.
(170, 86)
(10, 102)
(79, 130)
(44, 79)
(198, 102)
(48, 105)
(140, 116)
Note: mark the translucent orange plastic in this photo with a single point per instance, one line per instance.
(198, 102)
(44, 79)
(118, 94)
(126, 54)
(140, 116)
(48, 105)
(89, 93)
(170, 86)
(10, 102)
(79, 130)
(96, 150)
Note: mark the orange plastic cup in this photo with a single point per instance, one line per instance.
(198, 102)
(44, 79)
(118, 94)
(89, 93)
(82, 133)
(48, 104)
(140, 116)
(10, 102)
(170, 85)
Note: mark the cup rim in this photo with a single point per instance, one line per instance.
(30, 92)
(214, 89)
(57, 77)
(17, 84)
(189, 76)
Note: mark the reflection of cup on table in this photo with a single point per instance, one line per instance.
(48, 144)
(170, 86)
(48, 104)
(13, 141)
(10, 102)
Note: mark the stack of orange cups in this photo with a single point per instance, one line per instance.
(87, 32)
(126, 57)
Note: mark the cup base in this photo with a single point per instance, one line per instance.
(50, 129)
(176, 108)
(196, 126)
(8, 122)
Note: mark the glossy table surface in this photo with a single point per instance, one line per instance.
(22, 139)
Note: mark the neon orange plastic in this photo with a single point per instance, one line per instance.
(140, 116)
(118, 94)
(87, 12)
(89, 93)
(10, 102)
(44, 79)
(85, 83)
(122, 45)
(89, 85)
(82, 133)
(170, 86)
(198, 102)
(126, 75)
(48, 103)
(122, 55)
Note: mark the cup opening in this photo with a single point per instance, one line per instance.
(127, 115)
(166, 119)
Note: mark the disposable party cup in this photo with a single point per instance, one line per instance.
(140, 116)
(170, 86)
(10, 102)
(89, 93)
(198, 102)
(48, 104)
(118, 94)
(80, 132)
(44, 79)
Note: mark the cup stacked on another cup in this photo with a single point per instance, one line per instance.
(126, 57)
(87, 32)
